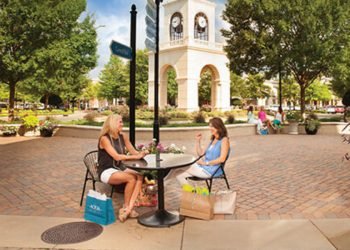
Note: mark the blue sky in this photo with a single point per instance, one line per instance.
(113, 22)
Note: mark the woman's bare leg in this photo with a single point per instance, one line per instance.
(137, 188)
(122, 177)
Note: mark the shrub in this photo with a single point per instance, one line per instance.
(163, 119)
(122, 110)
(312, 123)
(91, 116)
(30, 122)
(293, 116)
(178, 114)
(199, 117)
(230, 119)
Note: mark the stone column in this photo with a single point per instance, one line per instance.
(163, 94)
(222, 95)
(150, 93)
(188, 94)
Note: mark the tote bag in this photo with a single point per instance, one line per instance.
(197, 205)
(99, 210)
(225, 202)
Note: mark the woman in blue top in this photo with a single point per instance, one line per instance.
(213, 155)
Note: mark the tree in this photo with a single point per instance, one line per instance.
(114, 80)
(27, 27)
(304, 38)
(238, 86)
(141, 88)
(172, 87)
(318, 92)
(341, 74)
(256, 87)
(204, 88)
(346, 103)
(290, 91)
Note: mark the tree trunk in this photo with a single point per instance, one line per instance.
(11, 114)
(302, 99)
(345, 113)
(46, 101)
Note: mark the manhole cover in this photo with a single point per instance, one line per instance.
(73, 232)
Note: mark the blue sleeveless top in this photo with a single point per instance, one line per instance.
(212, 153)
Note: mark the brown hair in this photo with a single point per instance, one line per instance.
(217, 123)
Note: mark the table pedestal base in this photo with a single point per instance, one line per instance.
(160, 218)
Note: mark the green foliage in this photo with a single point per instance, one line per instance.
(256, 87)
(122, 110)
(30, 122)
(36, 36)
(346, 99)
(230, 119)
(318, 91)
(178, 114)
(290, 90)
(91, 116)
(251, 87)
(204, 88)
(163, 119)
(302, 38)
(199, 117)
(114, 80)
(311, 122)
(141, 88)
(293, 116)
(172, 87)
(9, 130)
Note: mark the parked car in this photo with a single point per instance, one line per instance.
(330, 109)
(339, 109)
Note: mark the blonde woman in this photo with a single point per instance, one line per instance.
(112, 146)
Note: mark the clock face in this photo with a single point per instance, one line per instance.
(175, 21)
(202, 22)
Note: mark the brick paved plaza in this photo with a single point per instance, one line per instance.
(276, 176)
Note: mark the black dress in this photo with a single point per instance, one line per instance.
(106, 161)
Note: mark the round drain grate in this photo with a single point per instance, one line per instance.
(73, 232)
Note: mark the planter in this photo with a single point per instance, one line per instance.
(310, 132)
(293, 128)
(46, 132)
(7, 134)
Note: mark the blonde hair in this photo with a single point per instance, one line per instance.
(110, 126)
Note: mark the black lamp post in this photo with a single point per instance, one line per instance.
(133, 13)
(156, 78)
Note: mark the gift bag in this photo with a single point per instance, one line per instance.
(225, 202)
(99, 208)
(148, 196)
(197, 204)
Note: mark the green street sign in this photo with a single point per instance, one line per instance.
(121, 50)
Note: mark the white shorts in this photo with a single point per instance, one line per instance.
(106, 174)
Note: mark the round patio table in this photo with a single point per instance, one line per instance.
(162, 163)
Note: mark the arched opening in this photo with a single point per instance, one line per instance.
(172, 87)
(207, 88)
(168, 86)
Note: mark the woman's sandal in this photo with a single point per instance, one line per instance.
(123, 215)
(134, 214)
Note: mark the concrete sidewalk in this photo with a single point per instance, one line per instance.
(25, 232)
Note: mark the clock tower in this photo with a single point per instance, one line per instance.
(188, 46)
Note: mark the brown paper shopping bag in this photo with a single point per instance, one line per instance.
(197, 205)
